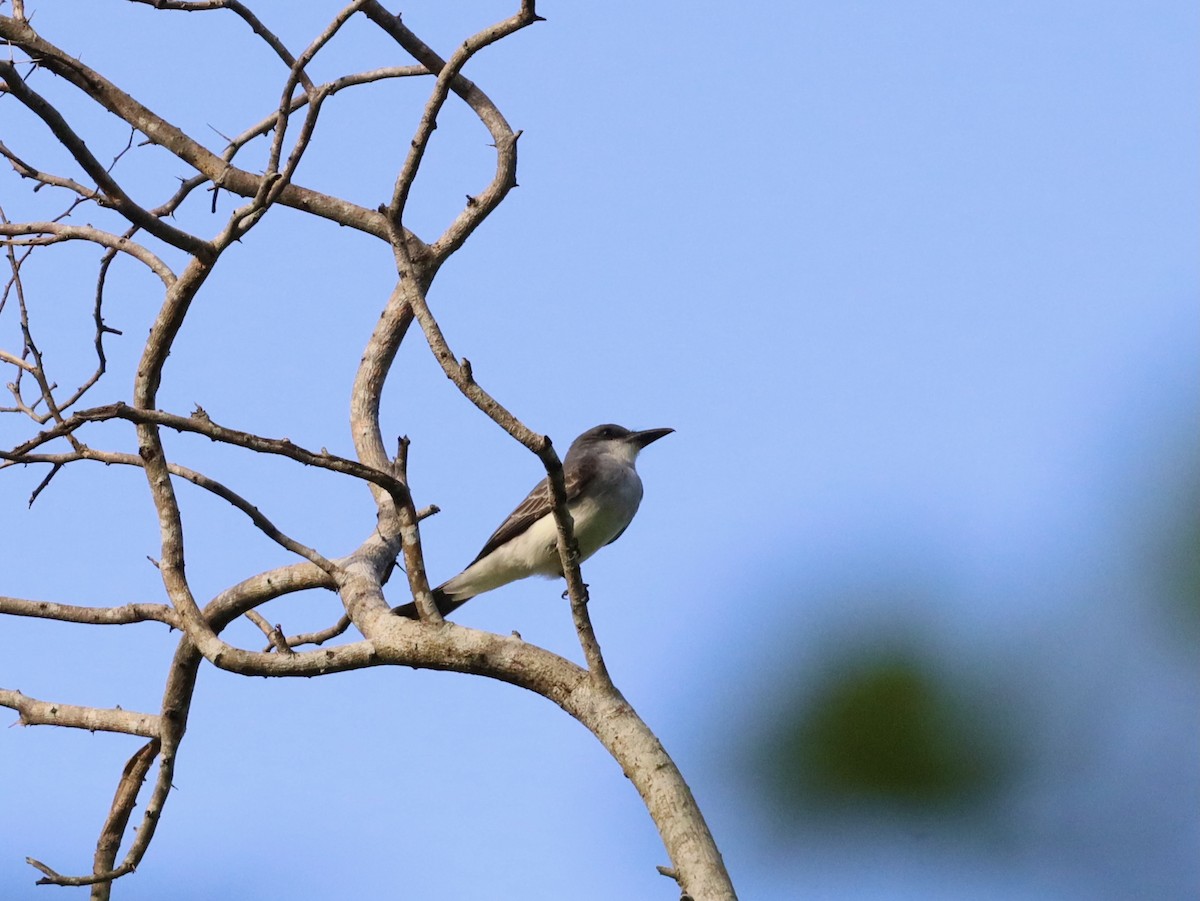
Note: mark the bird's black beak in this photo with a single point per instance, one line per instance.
(647, 436)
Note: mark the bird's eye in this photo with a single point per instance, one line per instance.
(607, 433)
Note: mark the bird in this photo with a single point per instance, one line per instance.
(603, 494)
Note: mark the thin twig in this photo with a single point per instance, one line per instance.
(316, 638)
(214, 168)
(449, 75)
(201, 424)
(260, 521)
(273, 633)
(116, 195)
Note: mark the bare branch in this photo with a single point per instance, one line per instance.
(200, 423)
(114, 193)
(55, 469)
(106, 262)
(272, 632)
(295, 75)
(25, 170)
(6, 357)
(274, 179)
(319, 637)
(326, 90)
(464, 379)
(37, 370)
(263, 587)
(242, 11)
(40, 234)
(45, 713)
(92, 616)
(261, 522)
(114, 828)
(174, 140)
(177, 698)
(411, 288)
(358, 578)
(449, 76)
(124, 800)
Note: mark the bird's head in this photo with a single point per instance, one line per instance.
(616, 440)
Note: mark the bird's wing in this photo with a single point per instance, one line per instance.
(537, 504)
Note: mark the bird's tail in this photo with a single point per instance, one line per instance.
(445, 604)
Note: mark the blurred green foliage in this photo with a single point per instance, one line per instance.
(883, 726)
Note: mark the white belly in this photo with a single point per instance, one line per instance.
(535, 551)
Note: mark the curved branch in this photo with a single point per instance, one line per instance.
(297, 74)
(97, 171)
(177, 698)
(244, 13)
(463, 378)
(397, 516)
(199, 423)
(113, 829)
(121, 809)
(326, 90)
(318, 637)
(602, 710)
(450, 78)
(174, 140)
(261, 522)
(57, 232)
(25, 170)
(38, 370)
(586, 694)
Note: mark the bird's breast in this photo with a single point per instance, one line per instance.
(605, 510)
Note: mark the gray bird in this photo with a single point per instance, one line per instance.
(603, 494)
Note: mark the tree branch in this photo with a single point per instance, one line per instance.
(26, 234)
(92, 616)
(200, 423)
(359, 578)
(319, 637)
(261, 522)
(113, 192)
(45, 713)
(161, 132)
(450, 78)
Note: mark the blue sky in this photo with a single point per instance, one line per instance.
(916, 285)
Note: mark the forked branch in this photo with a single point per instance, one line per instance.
(150, 235)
